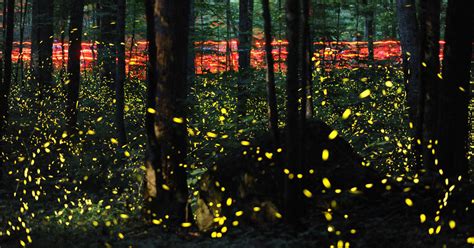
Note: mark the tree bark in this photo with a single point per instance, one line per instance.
(245, 46)
(166, 186)
(270, 77)
(369, 28)
(7, 73)
(132, 39)
(192, 49)
(74, 63)
(307, 63)
(430, 35)
(107, 34)
(229, 64)
(292, 197)
(42, 42)
(120, 73)
(410, 43)
(454, 97)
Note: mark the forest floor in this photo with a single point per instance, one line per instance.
(86, 192)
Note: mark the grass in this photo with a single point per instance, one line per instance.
(86, 191)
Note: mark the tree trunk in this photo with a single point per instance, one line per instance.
(2, 41)
(166, 186)
(430, 35)
(42, 42)
(153, 150)
(454, 92)
(307, 63)
(107, 36)
(19, 68)
(120, 73)
(245, 46)
(369, 28)
(74, 62)
(410, 43)
(192, 50)
(292, 198)
(132, 39)
(228, 55)
(271, 92)
(7, 73)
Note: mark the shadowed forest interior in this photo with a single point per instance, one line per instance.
(237, 123)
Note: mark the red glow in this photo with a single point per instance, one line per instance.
(211, 55)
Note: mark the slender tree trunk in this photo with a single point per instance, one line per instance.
(192, 49)
(307, 63)
(338, 34)
(393, 28)
(454, 97)
(245, 46)
(430, 35)
(202, 43)
(74, 63)
(280, 36)
(166, 191)
(228, 44)
(293, 200)
(7, 74)
(42, 42)
(120, 73)
(63, 49)
(302, 69)
(20, 49)
(132, 40)
(410, 43)
(369, 28)
(153, 151)
(107, 36)
(271, 92)
(2, 41)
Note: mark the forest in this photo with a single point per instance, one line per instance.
(237, 123)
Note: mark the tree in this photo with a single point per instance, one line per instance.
(245, 46)
(271, 92)
(369, 28)
(307, 67)
(166, 186)
(107, 33)
(192, 53)
(430, 35)
(410, 43)
(74, 62)
(42, 42)
(454, 90)
(7, 65)
(23, 17)
(120, 73)
(228, 52)
(292, 197)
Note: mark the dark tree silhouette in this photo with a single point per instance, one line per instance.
(5, 84)
(245, 46)
(369, 27)
(430, 35)
(271, 92)
(74, 62)
(166, 186)
(293, 197)
(42, 42)
(107, 35)
(307, 63)
(454, 90)
(120, 73)
(410, 43)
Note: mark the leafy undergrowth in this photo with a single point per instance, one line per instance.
(85, 191)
